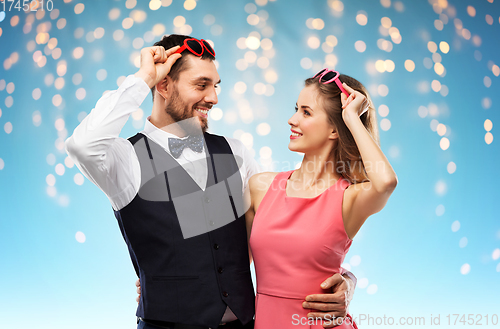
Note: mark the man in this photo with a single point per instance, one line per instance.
(192, 275)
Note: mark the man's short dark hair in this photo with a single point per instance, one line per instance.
(169, 41)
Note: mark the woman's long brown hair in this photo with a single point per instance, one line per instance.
(345, 154)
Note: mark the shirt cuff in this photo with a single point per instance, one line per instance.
(350, 275)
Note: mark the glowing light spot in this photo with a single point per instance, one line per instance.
(496, 70)
(68, 162)
(263, 129)
(441, 129)
(158, 29)
(444, 47)
(318, 24)
(60, 169)
(14, 20)
(189, 4)
(438, 24)
(37, 118)
(488, 138)
(99, 33)
(306, 63)
(101, 74)
(179, 21)
(78, 52)
(252, 42)
(241, 64)
(489, 20)
(436, 85)
(336, 5)
(487, 81)
(444, 143)
(80, 93)
(78, 179)
(57, 100)
(51, 159)
(451, 167)
(114, 14)
(385, 124)
(59, 124)
(380, 66)
(271, 76)
(362, 18)
(440, 210)
(61, 23)
(486, 103)
(127, 23)
(431, 45)
(383, 90)
(383, 110)
(240, 87)
(422, 111)
(362, 283)
(313, 42)
(59, 84)
(331, 40)
(409, 65)
(263, 62)
(79, 8)
(389, 65)
(216, 114)
(471, 11)
(385, 3)
(463, 242)
(50, 180)
(386, 22)
(466, 34)
(265, 152)
(80, 237)
(360, 46)
(7, 127)
(266, 44)
(372, 289)
(488, 125)
(465, 269)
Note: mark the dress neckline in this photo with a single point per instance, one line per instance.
(301, 198)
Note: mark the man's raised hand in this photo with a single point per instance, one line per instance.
(156, 63)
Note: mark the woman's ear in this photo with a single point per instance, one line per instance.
(333, 134)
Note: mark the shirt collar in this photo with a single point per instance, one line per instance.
(159, 136)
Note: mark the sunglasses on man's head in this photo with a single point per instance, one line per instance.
(327, 76)
(196, 47)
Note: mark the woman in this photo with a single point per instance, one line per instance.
(301, 222)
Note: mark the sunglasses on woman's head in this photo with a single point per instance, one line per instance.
(327, 76)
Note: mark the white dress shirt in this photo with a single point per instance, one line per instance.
(111, 163)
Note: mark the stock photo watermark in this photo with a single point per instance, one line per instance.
(385, 320)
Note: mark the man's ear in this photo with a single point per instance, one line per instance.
(162, 86)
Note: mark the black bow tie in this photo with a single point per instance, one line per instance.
(177, 145)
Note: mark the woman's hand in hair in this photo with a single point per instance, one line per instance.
(356, 103)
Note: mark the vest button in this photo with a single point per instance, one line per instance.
(220, 270)
(212, 223)
(225, 294)
(207, 200)
(216, 246)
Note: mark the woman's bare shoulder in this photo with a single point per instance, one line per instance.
(261, 182)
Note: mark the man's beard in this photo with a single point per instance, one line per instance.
(179, 111)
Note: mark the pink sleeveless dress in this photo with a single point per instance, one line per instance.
(296, 243)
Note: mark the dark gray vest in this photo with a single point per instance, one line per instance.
(189, 270)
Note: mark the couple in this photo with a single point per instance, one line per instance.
(302, 222)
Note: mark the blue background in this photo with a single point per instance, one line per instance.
(408, 258)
